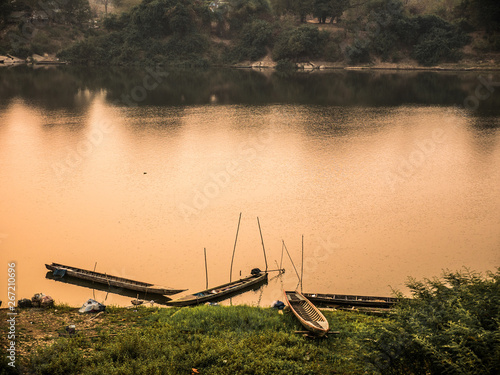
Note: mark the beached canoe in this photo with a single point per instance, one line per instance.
(116, 281)
(156, 298)
(222, 292)
(308, 314)
(350, 300)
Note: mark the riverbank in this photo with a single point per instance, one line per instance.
(490, 64)
(317, 66)
(449, 326)
(210, 339)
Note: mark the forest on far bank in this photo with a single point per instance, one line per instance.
(200, 33)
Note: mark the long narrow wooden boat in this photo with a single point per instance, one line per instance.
(351, 300)
(156, 298)
(222, 292)
(308, 314)
(116, 281)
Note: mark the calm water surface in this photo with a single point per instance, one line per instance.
(386, 175)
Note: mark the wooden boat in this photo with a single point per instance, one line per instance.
(222, 292)
(351, 300)
(308, 314)
(115, 281)
(157, 298)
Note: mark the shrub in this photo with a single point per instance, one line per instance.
(115, 23)
(384, 43)
(180, 21)
(300, 43)
(150, 18)
(407, 29)
(253, 40)
(190, 44)
(242, 12)
(451, 326)
(357, 53)
(285, 65)
(333, 50)
(439, 44)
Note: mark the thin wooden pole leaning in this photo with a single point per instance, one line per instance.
(302, 266)
(93, 290)
(262, 239)
(293, 264)
(206, 267)
(234, 249)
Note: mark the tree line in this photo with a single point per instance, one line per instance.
(185, 31)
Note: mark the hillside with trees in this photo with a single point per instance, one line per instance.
(230, 32)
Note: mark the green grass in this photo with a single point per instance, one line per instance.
(451, 325)
(212, 339)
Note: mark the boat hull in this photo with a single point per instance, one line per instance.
(308, 315)
(156, 298)
(221, 292)
(115, 281)
(350, 300)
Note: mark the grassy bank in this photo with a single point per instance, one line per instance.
(450, 326)
(211, 339)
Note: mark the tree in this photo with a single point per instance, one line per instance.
(302, 8)
(108, 2)
(105, 3)
(244, 11)
(181, 19)
(302, 43)
(482, 14)
(329, 8)
(77, 11)
(5, 10)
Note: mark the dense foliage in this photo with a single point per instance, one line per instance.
(254, 39)
(301, 43)
(451, 326)
(200, 33)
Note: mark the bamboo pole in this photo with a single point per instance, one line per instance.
(293, 264)
(206, 267)
(262, 239)
(281, 261)
(302, 266)
(234, 249)
(93, 290)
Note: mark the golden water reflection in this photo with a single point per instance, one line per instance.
(380, 193)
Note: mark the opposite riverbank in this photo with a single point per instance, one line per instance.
(375, 34)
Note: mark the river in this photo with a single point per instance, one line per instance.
(134, 172)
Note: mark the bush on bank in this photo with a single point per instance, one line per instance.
(451, 326)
